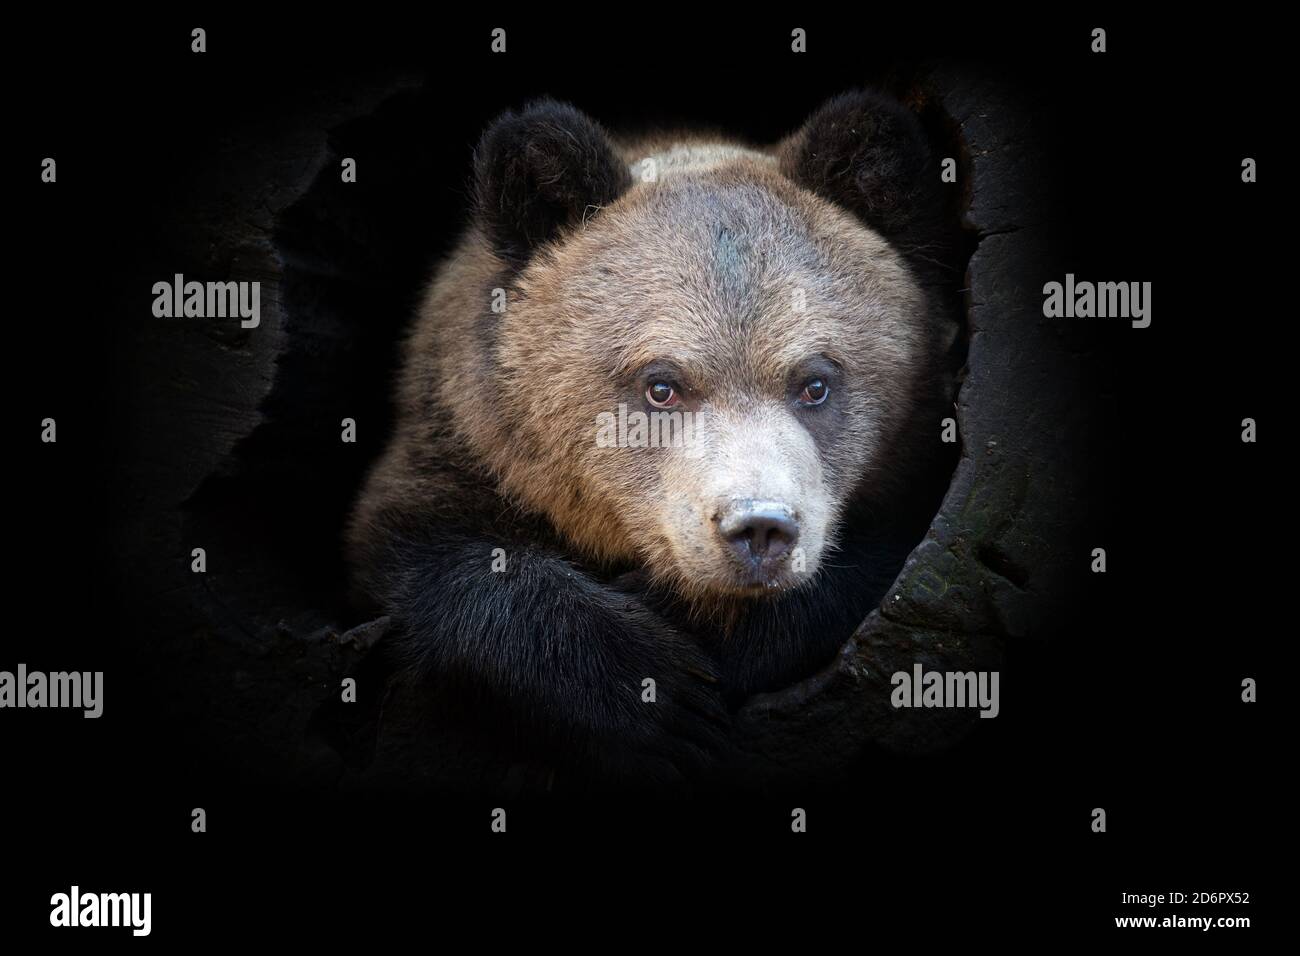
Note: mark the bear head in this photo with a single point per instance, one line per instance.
(707, 351)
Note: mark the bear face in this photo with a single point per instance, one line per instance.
(781, 332)
(783, 337)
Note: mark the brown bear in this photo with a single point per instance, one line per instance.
(785, 310)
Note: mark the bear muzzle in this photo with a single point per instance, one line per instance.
(759, 535)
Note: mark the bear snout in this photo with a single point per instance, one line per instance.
(758, 533)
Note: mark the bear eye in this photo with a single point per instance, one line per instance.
(661, 395)
(814, 393)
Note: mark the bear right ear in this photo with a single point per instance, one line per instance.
(539, 171)
(867, 153)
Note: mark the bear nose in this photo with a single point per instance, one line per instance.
(758, 532)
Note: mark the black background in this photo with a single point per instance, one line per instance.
(1133, 704)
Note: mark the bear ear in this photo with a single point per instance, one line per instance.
(867, 153)
(539, 171)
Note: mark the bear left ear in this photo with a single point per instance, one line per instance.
(867, 153)
(539, 171)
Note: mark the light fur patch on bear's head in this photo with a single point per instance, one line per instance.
(738, 287)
